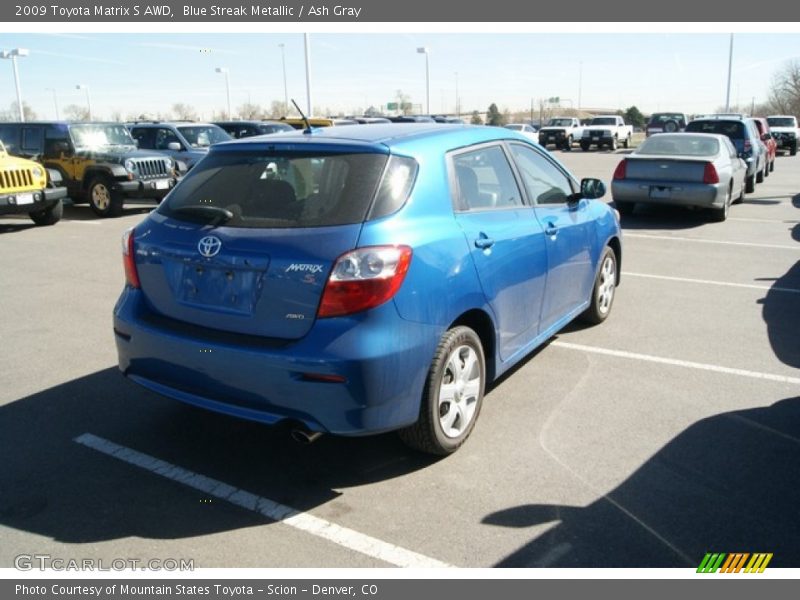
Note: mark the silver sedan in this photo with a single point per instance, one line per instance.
(686, 169)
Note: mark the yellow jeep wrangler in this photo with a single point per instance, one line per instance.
(26, 187)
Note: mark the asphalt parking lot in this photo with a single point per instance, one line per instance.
(671, 430)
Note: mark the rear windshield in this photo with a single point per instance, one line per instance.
(661, 118)
(687, 145)
(781, 122)
(733, 129)
(604, 121)
(560, 122)
(283, 189)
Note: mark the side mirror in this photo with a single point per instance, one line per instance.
(592, 188)
(174, 146)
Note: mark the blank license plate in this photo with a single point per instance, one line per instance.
(660, 193)
(162, 184)
(25, 198)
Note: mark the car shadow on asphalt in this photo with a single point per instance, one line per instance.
(651, 216)
(728, 483)
(54, 487)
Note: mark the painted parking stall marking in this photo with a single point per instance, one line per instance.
(678, 363)
(750, 286)
(342, 536)
(675, 238)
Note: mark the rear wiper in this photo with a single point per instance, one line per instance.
(215, 214)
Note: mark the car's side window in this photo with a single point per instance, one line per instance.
(143, 135)
(484, 180)
(544, 183)
(32, 140)
(10, 136)
(164, 137)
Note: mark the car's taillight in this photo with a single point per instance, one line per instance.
(129, 260)
(710, 174)
(363, 279)
(619, 172)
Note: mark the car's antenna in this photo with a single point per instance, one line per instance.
(305, 119)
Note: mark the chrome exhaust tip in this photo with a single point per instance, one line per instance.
(305, 437)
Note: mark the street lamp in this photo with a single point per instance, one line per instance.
(224, 71)
(424, 50)
(285, 89)
(55, 100)
(13, 54)
(83, 86)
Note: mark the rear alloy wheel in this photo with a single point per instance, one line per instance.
(453, 394)
(605, 286)
(105, 202)
(48, 216)
(613, 144)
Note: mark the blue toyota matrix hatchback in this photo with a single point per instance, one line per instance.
(361, 279)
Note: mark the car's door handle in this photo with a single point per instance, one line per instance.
(484, 242)
(551, 229)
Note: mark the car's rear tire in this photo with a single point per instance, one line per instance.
(453, 394)
(760, 176)
(584, 146)
(721, 214)
(603, 291)
(750, 184)
(103, 200)
(48, 216)
(625, 208)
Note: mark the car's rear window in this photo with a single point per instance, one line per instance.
(661, 118)
(781, 122)
(733, 129)
(282, 189)
(683, 144)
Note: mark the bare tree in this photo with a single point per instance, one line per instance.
(75, 112)
(12, 114)
(784, 95)
(278, 109)
(251, 111)
(184, 112)
(116, 115)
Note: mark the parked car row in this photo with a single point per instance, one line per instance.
(711, 164)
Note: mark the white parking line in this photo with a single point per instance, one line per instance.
(751, 286)
(784, 221)
(678, 363)
(347, 538)
(675, 238)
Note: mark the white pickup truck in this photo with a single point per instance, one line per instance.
(785, 131)
(606, 130)
(561, 132)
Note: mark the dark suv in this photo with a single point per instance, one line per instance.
(98, 162)
(744, 136)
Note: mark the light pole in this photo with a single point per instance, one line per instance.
(285, 88)
(55, 100)
(83, 86)
(224, 71)
(307, 42)
(424, 50)
(730, 67)
(13, 54)
(458, 103)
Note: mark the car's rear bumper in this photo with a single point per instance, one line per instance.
(669, 193)
(382, 359)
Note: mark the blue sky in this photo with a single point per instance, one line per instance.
(148, 73)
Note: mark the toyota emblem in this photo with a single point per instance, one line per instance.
(209, 246)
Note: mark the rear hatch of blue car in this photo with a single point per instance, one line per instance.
(246, 242)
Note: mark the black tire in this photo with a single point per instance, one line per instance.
(567, 144)
(750, 184)
(626, 142)
(103, 200)
(793, 150)
(670, 127)
(740, 199)
(613, 145)
(721, 214)
(48, 216)
(427, 434)
(760, 176)
(625, 208)
(772, 166)
(584, 146)
(604, 284)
